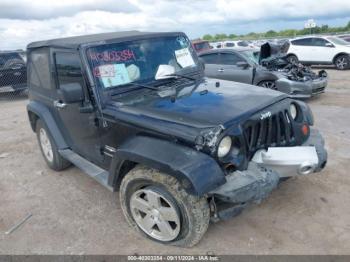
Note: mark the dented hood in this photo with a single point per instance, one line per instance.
(201, 106)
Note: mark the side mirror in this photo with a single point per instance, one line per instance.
(242, 64)
(165, 72)
(72, 93)
(329, 45)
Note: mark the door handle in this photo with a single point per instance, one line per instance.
(221, 70)
(59, 104)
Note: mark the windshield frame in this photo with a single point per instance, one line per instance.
(106, 94)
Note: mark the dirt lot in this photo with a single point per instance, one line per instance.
(73, 214)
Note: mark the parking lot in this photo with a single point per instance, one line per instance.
(73, 214)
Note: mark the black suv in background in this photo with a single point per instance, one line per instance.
(13, 71)
(134, 111)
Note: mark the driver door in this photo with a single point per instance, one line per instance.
(230, 69)
(81, 130)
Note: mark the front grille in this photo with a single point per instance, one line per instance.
(276, 130)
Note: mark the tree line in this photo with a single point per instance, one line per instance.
(323, 29)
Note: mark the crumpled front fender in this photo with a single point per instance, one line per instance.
(198, 172)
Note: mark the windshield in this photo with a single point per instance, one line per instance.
(118, 65)
(338, 41)
(252, 56)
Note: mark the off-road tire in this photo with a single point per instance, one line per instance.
(194, 211)
(292, 59)
(58, 163)
(342, 62)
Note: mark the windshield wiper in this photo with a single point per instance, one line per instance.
(182, 76)
(137, 85)
(144, 86)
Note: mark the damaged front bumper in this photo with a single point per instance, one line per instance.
(307, 89)
(266, 169)
(298, 160)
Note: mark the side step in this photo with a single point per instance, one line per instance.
(97, 173)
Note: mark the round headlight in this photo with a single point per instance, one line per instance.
(293, 111)
(224, 146)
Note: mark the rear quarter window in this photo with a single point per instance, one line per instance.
(39, 75)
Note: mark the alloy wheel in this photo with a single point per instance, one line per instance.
(46, 145)
(341, 62)
(155, 214)
(269, 84)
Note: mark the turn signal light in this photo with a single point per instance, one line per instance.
(305, 129)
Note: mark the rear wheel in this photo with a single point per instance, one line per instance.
(342, 62)
(270, 84)
(157, 205)
(48, 148)
(293, 59)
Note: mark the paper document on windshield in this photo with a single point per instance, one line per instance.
(184, 57)
(114, 75)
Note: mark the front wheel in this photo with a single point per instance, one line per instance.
(342, 62)
(157, 205)
(270, 84)
(293, 59)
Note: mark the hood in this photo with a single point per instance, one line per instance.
(268, 50)
(203, 105)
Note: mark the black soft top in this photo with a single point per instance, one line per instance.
(76, 41)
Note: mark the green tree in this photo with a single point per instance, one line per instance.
(271, 33)
(348, 26)
(324, 28)
(208, 37)
(282, 33)
(232, 36)
(220, 36)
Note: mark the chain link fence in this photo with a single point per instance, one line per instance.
(13, 75)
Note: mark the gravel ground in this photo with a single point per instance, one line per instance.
(73, 214)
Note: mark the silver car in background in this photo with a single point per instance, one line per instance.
(266, 68)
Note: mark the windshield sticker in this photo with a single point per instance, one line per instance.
(182, 41)
(113, 56)
(113, 75)
(184, 57)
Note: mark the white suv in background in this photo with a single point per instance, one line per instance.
(320, 50)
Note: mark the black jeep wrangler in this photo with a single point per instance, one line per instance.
(134, 111)
(13, 75)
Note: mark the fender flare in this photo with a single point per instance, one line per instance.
(197, 172)
(38, 110)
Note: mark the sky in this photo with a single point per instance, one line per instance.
(25, 21)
